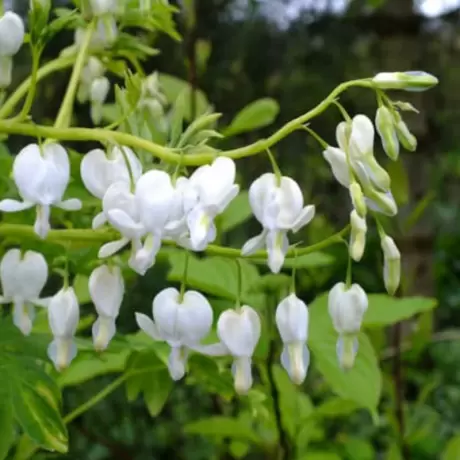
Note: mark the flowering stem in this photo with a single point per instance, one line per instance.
(65, 112)
(275, 167)
(183, 284)
(164, 153)
(89, 236)
(318, 138)
(348, 280)
(49, 68)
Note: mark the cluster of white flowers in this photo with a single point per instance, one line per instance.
(11, 38)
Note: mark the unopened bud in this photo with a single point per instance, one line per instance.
(100, 88)
(384, 122)
(392, 264)
(357, 198)
(407, 139)
(382, 202)
(408, 81)
(371, 174)
(342, 134)
(11, 33)
(337, 160)
(357, 236)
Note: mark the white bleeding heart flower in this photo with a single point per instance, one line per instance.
(63, 317)
(41, 176)
(121, 210)
(357, 236)
(213, 188)
(346, 308)
(337, 160)
(99, 170)
(184, 198)
(292, 323)
(182, 323)
(154, 197)
(12, 33)
(279, 208)
(22, 278)
(106, 288)
(392, 264)
(361, 142)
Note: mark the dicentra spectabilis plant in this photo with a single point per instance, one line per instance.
(158, 185)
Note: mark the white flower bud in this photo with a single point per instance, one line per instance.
(381, 202)
(408, 81)
(337, 160)
(106, 288)
(101, 7)
(392, 264)
(63, 317)
(357, 236)
(347, 308)
(357, 199)
(407, 139)
(11, 34)
(385, 125)
(292, 323)
(361, 144)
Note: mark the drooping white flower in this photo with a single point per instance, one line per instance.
(382, 202)
(63, 317)
(93, 70)
(99, 170)
(292, 322)
(106, 287)
(279, 208)
(392, 264)
(23, 278)
(337, 160)
(99, 91)
(407, 139)
(357, 236)
(41, 175)
(101, 7)
(121, 210)
(357, 199)
(154, 197)
(180, 323)
(346, 308)
(11, 34)
(414, 80)
(213, 187)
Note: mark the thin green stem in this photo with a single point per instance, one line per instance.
(90, 236)
(183, 284)
(317, 137)
(348, 280)
(275, 167)
(344, 113)
(238, 283)
(21, 91)
(168, 154)
(33, 85)
(65, 112)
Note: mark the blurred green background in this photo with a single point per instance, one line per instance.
(296, 52)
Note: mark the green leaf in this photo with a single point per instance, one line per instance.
(320, 455)
(223, 427)
(335, 407)
(237, 212)
(256, 115)
(358, 449)
(149, 377)
(214, 275)
(363, 383)
(89, 365)
(384, 310)
(80, 285)
(452, 450)
(6, 425)
(399, 181)
(174, 87)
(33, 395)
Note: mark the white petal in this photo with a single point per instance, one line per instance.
(362, 137)
(11, 283)
(109, 249)
(225, 200)
(277, 247)
(123, 222)
(106, 288)
(119, 196)
(292, 319)
(194, 318)
(8, 205)
(199, 223)
(42, 221)
(242, 374)
(98, 221)
(145, 257)
(337, 160)
(342, 134)
(94, 172)
(62, 351)
(347, 349)
(57, 178)
(239, 330)
(64, 313)
(11, 33)
(32, 272)
(261, 193)
(290, 203)
(304, 218)
(23, 316)
(148, 326)
(73, 204)
(165, 309)
(177, 362)
(254, 244)
(295, 358)
(103, 331)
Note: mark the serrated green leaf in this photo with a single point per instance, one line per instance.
(363, 383)
(384, 310)
(256, 115)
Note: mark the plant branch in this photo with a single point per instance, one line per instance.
(164, 153)
(65, 236)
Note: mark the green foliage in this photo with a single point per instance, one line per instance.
(452, 450)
